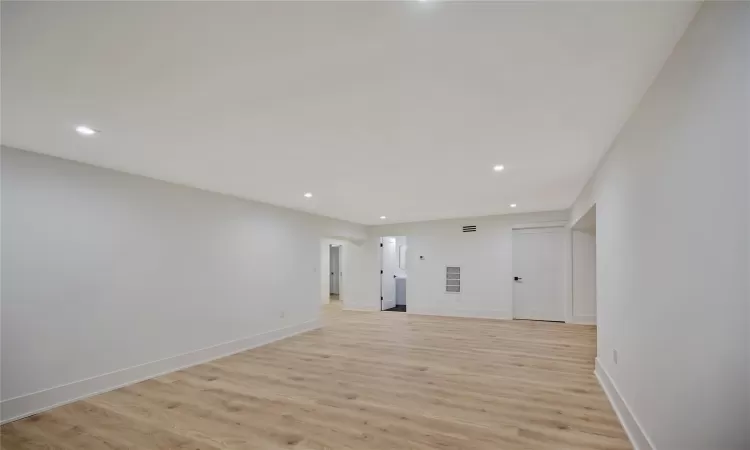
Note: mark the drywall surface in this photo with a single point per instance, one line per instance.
(672, 238)
(485, 258)
(105, 272)
(584, 277)
(325, 269)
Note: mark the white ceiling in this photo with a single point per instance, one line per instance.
(396, 109)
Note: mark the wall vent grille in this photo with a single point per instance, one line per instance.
(469, 228)
(453, 279)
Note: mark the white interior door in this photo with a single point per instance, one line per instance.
(389, 266)
(335, 269)
(539, 274)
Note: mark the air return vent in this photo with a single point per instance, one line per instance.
(453, 279)
(470, 228)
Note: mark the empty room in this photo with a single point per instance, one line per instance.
(423, 224)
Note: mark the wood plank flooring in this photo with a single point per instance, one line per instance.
(365, 381)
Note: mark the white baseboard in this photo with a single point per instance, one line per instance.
(470, 313)
(584, 320)
(633, 429)
(355, 307)
(26, 405)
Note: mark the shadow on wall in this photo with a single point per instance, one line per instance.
(584, 268)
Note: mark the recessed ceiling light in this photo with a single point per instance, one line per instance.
(498, 168)
(308, 194)
(513, 205)
(382, 217)
(83, 130)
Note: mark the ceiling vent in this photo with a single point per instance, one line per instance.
(470, 228)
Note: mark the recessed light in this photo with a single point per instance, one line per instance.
(308, 194)
(83, 130)
(513, 205)
(498, 168)
(382, 217)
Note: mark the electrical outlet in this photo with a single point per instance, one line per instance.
(614, 355)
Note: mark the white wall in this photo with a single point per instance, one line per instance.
(584, 277)
(672, 238)
(485, 258)
(109, 273)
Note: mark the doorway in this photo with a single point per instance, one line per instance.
(583, 240)
(335, 272)
(333, 267)
(393, 273)
(539, 274)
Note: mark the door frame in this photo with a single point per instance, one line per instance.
(574, 226)
(380, 254)
(567, 267)
(325, 269)
(337, 275)
(382, 243)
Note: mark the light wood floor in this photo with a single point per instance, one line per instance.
(365, 381)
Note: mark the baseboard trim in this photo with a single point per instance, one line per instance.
(30, 404)
(355, 307)
(468, 313)
(632, 428)
(584, 320)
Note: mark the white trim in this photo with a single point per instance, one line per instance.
(584, 320)
(26, 405)
(468, 313)
(382, 269)
(633, 429)
(570, 315)
(568, 255)
(360, 308)
(556, 224)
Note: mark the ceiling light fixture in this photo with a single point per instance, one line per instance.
(382, 217)
(83, 130)
(498, 168)
(513, 205)
(308, 194)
